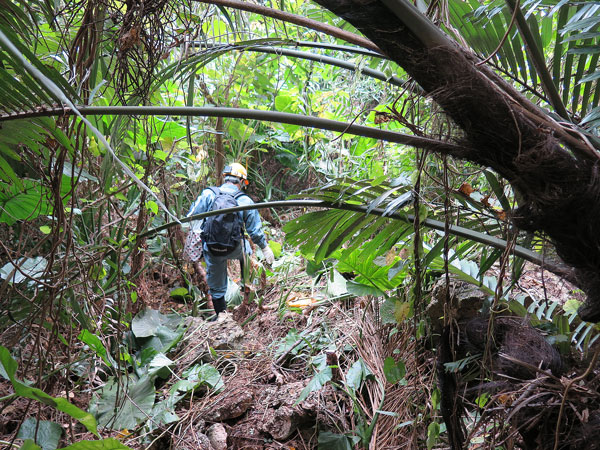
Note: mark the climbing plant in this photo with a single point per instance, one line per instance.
(510, 86)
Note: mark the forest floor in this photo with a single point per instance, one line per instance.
(274, 392)
(263, 353)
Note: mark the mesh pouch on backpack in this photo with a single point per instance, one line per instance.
(193, 243)
(222, 233)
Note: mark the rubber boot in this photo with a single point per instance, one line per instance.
(219, 305)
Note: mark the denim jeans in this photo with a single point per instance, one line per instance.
(216, 268)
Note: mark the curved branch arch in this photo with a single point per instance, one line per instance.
(455, 230)
(298, 20)
(377, 74)
(240, 113)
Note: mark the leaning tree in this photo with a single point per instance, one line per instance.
(468, 60)
(551, 162)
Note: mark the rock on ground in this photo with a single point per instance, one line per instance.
(217, 436)
(231, 405)
(224, 334)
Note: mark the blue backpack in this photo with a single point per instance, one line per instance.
(222, 233)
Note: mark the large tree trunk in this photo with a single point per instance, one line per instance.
(554, 171)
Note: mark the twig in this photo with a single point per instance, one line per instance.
(512, 22)
(547, 373)
(295, 344)
(564, 399)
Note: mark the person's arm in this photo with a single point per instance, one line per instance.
(253, 222)
(254, 228)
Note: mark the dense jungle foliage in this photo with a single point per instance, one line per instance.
(427, 175)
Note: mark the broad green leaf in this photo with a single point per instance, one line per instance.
(239, 130)
(204, 374)
(45, 433)
(27, 268)
(368, 273)
(164, 129)
(394, 371)
(132, 406)
(103, 444)
(160, 366)
(24, 203)
(163, 340)
(331, 441)
(285, 103)
(336, 284)
(433, 434)
(160, 154)
(162, 414)
(387, 311)
(8, 174)
(152, 206)
(457, 366)
(179, 292)
(95, 344)
(361, 290)
(276, 248)
(402, 311)
(147, 322)
(287, 343)
(358, 373)
(571, 306)
(482, 400)
(63, 405)
(316, 383)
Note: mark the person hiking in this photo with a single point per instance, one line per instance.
(223, 235)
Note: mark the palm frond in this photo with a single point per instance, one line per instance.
(363, 225)
(322, 233)
(23, 92)
(208, 53)
(565, 33)
(46, 82)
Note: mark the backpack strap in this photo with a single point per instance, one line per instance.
(215, 190)
(237, 195)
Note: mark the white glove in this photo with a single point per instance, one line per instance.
(268, 254)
